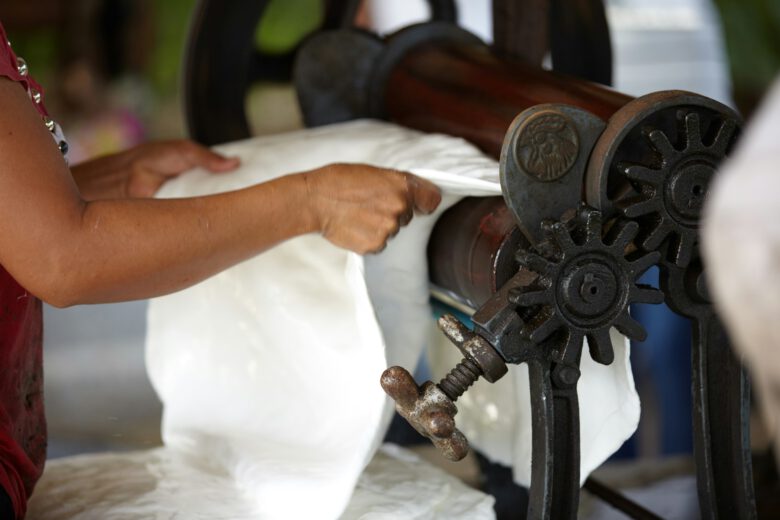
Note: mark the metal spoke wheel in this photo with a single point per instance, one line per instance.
(222, 61)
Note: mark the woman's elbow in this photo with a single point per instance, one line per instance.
(56, 281)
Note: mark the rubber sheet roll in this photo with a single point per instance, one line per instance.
(269, 371)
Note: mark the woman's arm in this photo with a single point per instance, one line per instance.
(140, 171)
(68, 251)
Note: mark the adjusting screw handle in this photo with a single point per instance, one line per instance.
(430, 408)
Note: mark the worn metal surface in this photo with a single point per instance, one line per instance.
(543, 161)
(654, 162)
(721, 400)
(332, 72)
(485, 244)
(474, 349)
(585, 286)
(430, 408)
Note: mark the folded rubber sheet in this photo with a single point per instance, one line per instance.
(269, 371)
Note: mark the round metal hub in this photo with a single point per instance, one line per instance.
(686, 191)
(590, 291)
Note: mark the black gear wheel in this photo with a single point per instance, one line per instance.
(672, 191)
(584, 288)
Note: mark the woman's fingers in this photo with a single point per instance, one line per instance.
(214, 162)
(425, 195)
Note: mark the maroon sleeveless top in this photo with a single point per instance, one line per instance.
(22, 422)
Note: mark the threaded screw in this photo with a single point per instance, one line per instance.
(460, 379)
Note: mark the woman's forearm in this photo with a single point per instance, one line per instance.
(67, 249)
(131, 249)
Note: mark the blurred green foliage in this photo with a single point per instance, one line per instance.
(752, 32)
(286, 22)
(171, 26)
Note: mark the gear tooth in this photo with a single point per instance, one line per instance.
(624, 235)
(683, 249)
(535, 263)
(560, 234)
(662, 145)
(572, 347)
(645, 262)
(723, 137)
(692, 131)
(630, 328)
(646, 294)
(529, 298)
(640, 207)
(600, 346)
(546, 328)
(593, 224)
(643, 174)
(657, 235)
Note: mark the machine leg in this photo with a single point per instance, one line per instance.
(721, 427)
(555, 475)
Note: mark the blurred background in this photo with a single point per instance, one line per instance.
(112, 70)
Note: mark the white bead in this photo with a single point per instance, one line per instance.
(50, 124)
(21, 66)
(36, 96)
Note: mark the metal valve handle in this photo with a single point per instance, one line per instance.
(430, 408)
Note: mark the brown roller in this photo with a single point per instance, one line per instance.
(468, 92)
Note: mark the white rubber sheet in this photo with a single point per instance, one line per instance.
(269, 372)
(165, 484)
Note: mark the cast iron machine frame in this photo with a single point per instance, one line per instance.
(597, 188)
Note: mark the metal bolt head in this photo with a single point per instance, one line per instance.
(566, 375)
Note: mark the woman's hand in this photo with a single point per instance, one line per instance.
(359, 207)
(111, 247)
(140, 171)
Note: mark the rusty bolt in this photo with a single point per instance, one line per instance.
(475, 349)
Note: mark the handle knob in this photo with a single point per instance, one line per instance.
(430, 408)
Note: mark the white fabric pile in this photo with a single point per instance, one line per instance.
(269, 372)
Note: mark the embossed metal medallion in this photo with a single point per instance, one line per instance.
(547, 145)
